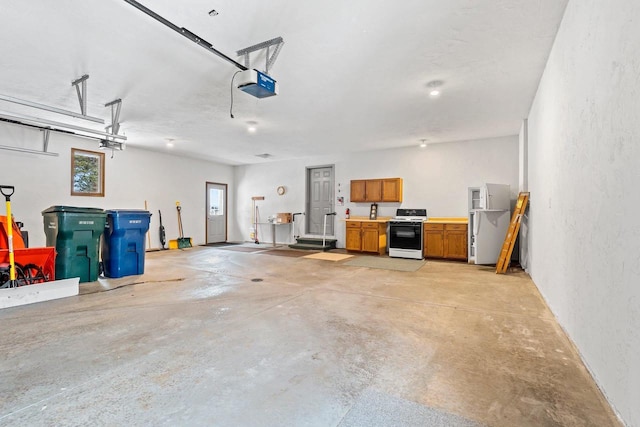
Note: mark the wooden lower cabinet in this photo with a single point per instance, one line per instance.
(434, 243)
(455, 241)
(353, 241)
(445, 240)
(365, 236)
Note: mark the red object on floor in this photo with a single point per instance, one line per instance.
(18, 243)
(45, 258)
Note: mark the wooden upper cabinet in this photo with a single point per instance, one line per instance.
(392, 190)
(358, 190)
(376, 190)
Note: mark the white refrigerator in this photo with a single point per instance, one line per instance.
(489, 218)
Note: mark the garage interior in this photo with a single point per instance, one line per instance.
(541, 96)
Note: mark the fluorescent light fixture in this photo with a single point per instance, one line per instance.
(112, 145)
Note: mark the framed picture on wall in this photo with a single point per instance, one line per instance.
(373, 212)
(87, 173)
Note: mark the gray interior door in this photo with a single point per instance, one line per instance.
(320, 199)
(216, 212)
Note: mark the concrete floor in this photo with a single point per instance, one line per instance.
(195, 341)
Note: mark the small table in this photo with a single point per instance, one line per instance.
(273, 229)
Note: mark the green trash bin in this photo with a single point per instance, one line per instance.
(75, 233)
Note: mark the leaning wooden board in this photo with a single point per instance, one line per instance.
(512, 233)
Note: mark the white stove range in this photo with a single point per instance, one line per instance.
(406, 238)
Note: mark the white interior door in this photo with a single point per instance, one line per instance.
(320, 200)
(216, 212)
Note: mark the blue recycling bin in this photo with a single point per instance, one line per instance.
(123, 242)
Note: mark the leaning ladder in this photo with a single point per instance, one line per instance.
(512, 233)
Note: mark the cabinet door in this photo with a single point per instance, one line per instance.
(358, 190)
(370, 240)
(353, 239)
(392, 190)
(455, 244)
(434, 243)
(374, 190)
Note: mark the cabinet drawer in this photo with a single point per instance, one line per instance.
(353, 224)
(369, 225)
(430, 226)
(456, 227)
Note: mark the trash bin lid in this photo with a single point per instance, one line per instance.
(73, 209)
(117, 212)
(127, 211)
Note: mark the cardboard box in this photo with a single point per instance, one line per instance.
(283, 217)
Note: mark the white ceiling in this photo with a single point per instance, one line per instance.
(353, 75)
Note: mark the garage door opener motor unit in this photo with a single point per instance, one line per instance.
(257, 83)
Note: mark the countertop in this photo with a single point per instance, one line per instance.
(432, 220)
(448, 220)
(366, 219)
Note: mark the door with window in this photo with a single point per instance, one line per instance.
(216, 212)
(319, 199)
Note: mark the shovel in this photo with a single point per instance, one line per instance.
(183, 242)
(7, 192)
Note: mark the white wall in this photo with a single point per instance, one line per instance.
(584, 174)
(436, 178)
(523, 178)
(132, 176)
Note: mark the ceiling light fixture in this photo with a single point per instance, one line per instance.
(434, 86)
(423, 144)
(251, 129)
(213, 12)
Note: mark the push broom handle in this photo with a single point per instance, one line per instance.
(7, 195)
(4, 189)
